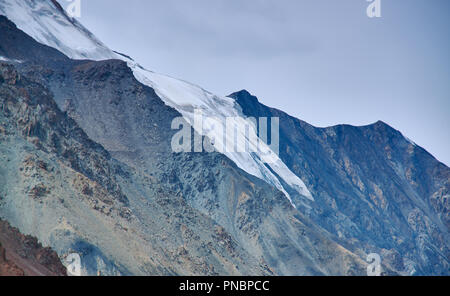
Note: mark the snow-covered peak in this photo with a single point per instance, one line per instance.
(49, 25)
(46, 22)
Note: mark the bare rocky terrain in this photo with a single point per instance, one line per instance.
(136, 208)
(86, 167)
(373, 188)
(23, 255)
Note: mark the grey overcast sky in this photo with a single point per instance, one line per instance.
(323, 61)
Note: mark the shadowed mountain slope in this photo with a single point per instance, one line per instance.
(372, 186)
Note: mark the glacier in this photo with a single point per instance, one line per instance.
(47, 23)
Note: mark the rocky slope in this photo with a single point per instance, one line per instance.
(153, 211)
(67, 191)
(23, 255)
(373, 188)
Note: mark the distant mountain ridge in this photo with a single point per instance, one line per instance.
(369, 183)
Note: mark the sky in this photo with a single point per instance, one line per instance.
(323, 61)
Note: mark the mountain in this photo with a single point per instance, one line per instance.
(371, 184)
(47, 23)
(65, 189)
(192, 214)
(87, 167)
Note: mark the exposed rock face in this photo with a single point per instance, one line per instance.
(373, 188)
(86, 167)
(19, 46)
(66, 190)
(22, 255)
(153, 211)
(8, 268)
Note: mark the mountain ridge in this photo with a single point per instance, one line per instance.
(375, 167)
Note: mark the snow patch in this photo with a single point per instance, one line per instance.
(3, 59)
(46, 24)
